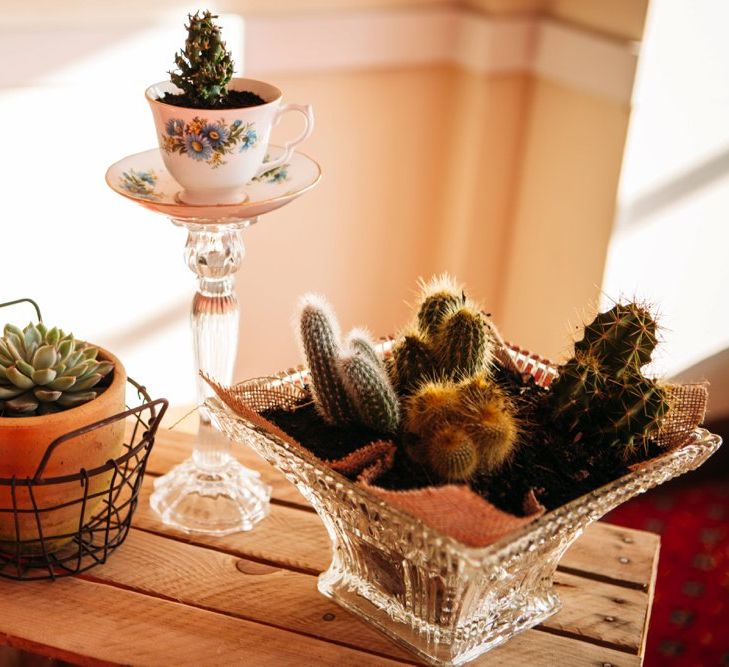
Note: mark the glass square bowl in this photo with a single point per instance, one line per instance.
(443, 600)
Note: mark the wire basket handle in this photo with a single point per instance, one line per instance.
(154, 421)
(24, 300)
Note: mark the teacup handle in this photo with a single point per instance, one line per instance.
(308, 113)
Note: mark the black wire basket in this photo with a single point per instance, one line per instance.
(112, 488)
(56, 525)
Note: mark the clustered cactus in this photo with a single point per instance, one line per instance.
(348, 382)
(46, 370)
(462, 427)
(204, 66)
(451, 340)
(462, 422)
(601, 393)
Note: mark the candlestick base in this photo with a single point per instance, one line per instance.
(228, 499)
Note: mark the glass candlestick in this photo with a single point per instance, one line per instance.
(211, 492)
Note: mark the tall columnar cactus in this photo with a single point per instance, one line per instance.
(205, 66)
(348, 384)
(319, 335)
(438, 296)
(45, 370)
(462, 428)
(600, 393)
(370, 391)
(452, 339)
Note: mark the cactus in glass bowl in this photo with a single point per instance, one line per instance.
(461, 428)
(45, 370)
(348, 381)
(601, 392)
(204, 66)
(451, 339)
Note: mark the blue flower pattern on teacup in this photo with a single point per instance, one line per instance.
(206, 141)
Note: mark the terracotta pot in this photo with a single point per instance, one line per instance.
(23, 442)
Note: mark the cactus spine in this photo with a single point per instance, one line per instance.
(350, 384)
(601, 393)
(452, 339)
(463, 427)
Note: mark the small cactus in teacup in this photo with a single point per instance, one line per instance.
(46, 370)
(348, 382)
(204, 66)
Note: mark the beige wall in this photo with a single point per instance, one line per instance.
(564, 215)
(507, 181)
(367, 232)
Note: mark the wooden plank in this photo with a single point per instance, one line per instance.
(614, 554)
(539, 649)
(288, 537)
(92, 623)
(601, 613)
(297, 539)
(243, 588)
(593, 611)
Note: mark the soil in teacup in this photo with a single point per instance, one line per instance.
(234, 99)
(546, 462)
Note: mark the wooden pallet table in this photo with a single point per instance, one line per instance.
(166, 598)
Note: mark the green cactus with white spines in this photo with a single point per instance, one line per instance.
(359, 340)
(600, 393)
(348, 384)
(319, 335)
(460, 343)
(369, 389)
(411, 363)
(452, 339)
(438, 296)
(46, 370)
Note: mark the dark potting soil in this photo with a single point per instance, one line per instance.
(235, 99)
(328, 442)
(546, 461)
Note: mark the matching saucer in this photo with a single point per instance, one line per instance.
(143, 178)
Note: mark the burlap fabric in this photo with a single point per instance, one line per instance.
(454, 510)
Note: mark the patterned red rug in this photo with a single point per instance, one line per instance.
(689, 620)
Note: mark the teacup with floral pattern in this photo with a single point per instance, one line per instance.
(213, 153)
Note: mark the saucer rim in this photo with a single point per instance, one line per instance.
(193, 207)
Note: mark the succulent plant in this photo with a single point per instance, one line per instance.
(348, 384)
(462, 428)
(600, 393)
(452, 339)
(204, 66)
(46, 370)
